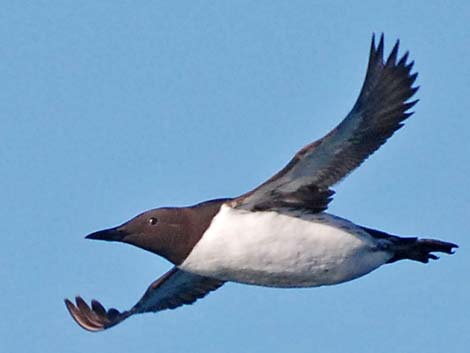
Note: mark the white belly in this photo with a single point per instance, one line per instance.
(287, 249)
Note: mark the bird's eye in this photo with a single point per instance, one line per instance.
(152, 221)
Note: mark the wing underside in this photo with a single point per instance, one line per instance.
(175, 288)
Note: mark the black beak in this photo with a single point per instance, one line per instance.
(111, 234)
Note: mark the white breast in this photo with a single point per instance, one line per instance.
(287, 249)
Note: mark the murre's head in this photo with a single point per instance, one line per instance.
(168, 232)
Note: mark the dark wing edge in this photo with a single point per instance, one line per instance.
(174, 289)
(382, 106)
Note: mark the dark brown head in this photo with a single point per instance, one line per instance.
(168, 232)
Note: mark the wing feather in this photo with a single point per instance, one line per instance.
(382, 106)
(175, 288)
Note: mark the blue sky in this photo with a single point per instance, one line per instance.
(111, 108)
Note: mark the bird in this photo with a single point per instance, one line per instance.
(279, 233)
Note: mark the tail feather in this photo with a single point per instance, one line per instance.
(413, 248)
(419, 249)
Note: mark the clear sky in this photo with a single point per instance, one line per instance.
(110, 108)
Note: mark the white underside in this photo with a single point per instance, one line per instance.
(288, 249)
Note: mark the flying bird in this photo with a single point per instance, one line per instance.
(278, 234)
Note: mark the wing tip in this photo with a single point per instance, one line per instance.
(395, 74)
(392, 58)
(94, 318)
(380, 48)
(376, 52)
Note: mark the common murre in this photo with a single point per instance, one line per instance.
(278, 234)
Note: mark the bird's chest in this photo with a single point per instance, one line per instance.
(281, 250)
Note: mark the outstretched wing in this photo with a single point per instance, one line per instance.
(380, 110)
(173, 289)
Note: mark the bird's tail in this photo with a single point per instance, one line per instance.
(413, 248)
(419, 249)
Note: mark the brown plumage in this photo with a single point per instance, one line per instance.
(303, 185)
